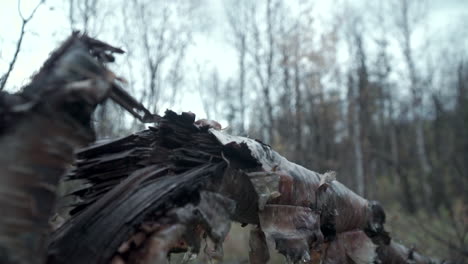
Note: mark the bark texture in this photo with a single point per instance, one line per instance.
(40, 129)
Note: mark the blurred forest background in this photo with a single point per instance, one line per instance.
(375, 90)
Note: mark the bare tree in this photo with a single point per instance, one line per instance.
(89, 16)
(175, 76)
(294, 48)
(262, 52)
(357, 82)
(85, 11)
(409, 14)
(162, 40)
(238, 17)
(164, 35)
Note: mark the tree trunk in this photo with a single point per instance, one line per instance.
(355, 123)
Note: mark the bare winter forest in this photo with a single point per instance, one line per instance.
(376, 91)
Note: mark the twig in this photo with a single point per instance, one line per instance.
(25, 21)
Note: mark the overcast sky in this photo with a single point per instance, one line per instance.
(50, 26)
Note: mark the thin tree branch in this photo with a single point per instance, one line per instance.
(25, 21)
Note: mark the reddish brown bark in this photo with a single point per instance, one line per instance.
(40, 129)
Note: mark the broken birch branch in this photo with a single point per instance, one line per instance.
(158, 178)
(40, 129)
